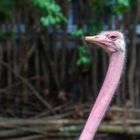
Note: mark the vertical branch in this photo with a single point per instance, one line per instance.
(55, 54)
(9, 48)
(64, 44)
(119, 92)
(15, 56)
(1, 57)
(137, 77)
(133, 57)
(124, 89)
(95, 72)
(46, 45)
(8, 59)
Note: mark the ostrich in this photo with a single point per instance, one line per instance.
(113, 43)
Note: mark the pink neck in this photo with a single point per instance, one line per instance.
(105, 95)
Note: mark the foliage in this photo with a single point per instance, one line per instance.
(5, 14)
(85, 56)
(5, 10)
(51, 12)
(119, 6)
(5, 36)
(78, 33)
(94, 27)
(112, 7)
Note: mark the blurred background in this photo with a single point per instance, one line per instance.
(50, 78)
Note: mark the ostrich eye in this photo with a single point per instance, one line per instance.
(113, 37)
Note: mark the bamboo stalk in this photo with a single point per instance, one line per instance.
(32, 137)
(67, 131)
(13, 123)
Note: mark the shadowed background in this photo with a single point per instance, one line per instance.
(49, 75)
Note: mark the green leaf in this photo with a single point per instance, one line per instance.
(121, 6)
(84, 57)
(52, 19)
(45, 21)
(123, 2)
(78, 32)
(5, 36)
(50, 12)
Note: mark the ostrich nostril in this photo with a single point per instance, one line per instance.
(96, 37)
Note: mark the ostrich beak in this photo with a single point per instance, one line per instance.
(103, 42)
(93, 39)
(89, 38)
(96, 40)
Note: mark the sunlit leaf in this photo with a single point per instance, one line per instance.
(78, 32)
(84, 56)
(51, 12)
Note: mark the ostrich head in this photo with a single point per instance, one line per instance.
(110, 41)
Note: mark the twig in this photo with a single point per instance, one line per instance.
(34, 137)
(28, 85)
